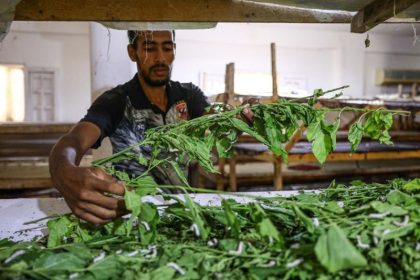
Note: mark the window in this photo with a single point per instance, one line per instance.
(12, 93)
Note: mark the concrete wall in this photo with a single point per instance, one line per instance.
(62, 47)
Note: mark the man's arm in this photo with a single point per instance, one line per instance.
(83, 187)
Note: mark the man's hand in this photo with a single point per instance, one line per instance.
(247, 114)
(83, 189)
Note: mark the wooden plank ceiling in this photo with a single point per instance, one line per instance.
(368, 12)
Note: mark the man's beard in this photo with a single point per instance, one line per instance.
(155, 83)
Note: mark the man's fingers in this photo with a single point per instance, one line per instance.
(98, 198)
(99, 212)
(247, 114)
(101, 174)
(89, 217)
(113, 187)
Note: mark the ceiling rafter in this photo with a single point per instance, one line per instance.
(172, 11)
(378, 11)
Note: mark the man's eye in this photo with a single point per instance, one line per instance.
(149, 49)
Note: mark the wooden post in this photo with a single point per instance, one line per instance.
(230, 83)
(232, 174)
(275, 95)
(278, 180)
(230, 99)
(221, 177)
(201, 176)
(414, 90)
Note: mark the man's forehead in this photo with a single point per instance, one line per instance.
(149, 35)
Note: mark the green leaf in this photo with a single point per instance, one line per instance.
(316, 94)
(163, 273)
(133, 203)
(304, 219)
(390, 231)
(314, 127)
(242, 126)
(412, 186)
(142, 160)
(8, 248)
(335, 252)
(382, 207)
(51, 262)
(197, 217)
(333, 207)
(144, 185)
(333, 128)
(107, 268)
(224, 148)
(397, 197)
(321, 147)
(58, 228)
(82, 234)
(322, 136)
(117, 227)
(273, 134)
(385, 138)
(231, 218)
(355, 136)
(180, 173)
(148, 220)
(80, 250)
(266, 229)
(377, 126)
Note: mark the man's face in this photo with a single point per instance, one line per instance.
(154, 56)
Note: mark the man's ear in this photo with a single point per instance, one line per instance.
(132, 53)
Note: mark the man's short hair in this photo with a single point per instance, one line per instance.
(132, 37)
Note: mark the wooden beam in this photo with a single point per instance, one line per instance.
(232, 174)
(278, 179)
(220, 182)
(377, 12)
(171, 11)
(275, 95)
(230, 83)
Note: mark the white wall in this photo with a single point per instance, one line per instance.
(63, 47)
(109, 59)
(325, 56)
(88, 59)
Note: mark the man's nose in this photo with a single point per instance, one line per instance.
(160, 56)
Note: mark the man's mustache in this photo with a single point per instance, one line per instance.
(160, 65)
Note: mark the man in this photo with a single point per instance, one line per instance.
(123, 114)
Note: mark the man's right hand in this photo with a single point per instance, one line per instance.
(84, 190)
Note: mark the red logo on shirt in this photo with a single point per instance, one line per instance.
(182, 109)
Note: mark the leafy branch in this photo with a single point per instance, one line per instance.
(273, 125)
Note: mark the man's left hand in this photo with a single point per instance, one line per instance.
(247, 113)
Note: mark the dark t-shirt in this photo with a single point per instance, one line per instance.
(124, 114)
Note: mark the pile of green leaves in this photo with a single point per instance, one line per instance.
(342, 232)
(362, 231)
